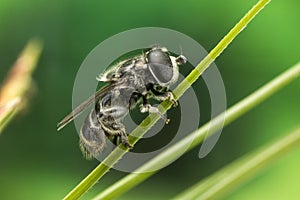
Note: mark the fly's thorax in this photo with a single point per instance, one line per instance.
(115, 72)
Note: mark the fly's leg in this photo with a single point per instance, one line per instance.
(115, 131)
(170, 96)
(109, 117)
(122, 134)
(164, 94)
(147, 107)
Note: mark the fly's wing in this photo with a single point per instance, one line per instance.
(83, 106)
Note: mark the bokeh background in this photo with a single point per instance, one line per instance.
(37, 162)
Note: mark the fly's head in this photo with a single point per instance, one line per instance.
(163, 66)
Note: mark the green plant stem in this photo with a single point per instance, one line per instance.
(149, 121)
(173, 152)
(221, 46)
(239, 171)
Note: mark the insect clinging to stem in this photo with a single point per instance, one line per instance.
(129, 83)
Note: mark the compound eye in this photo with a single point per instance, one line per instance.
(160, 65)
(159, 57)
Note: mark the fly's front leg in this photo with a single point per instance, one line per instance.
(169, 95)
(164, 94)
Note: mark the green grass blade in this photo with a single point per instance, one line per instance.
(149, 121)
(241, 170)
(173, 152)
(221, 46)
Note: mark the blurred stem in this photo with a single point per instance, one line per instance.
(7, 112)
(233, 175)
(195, 138)
(18, 82)
(149, 121)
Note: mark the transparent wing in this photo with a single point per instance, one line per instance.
(83, 106)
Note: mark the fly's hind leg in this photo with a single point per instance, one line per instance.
(115, 131)
(121, 133)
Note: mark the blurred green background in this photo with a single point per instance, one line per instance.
(37, 162)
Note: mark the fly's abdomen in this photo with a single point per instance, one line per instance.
(92, 136)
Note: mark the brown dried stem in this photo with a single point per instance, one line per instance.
(13, 93)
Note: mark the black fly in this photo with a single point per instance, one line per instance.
(129, 82)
